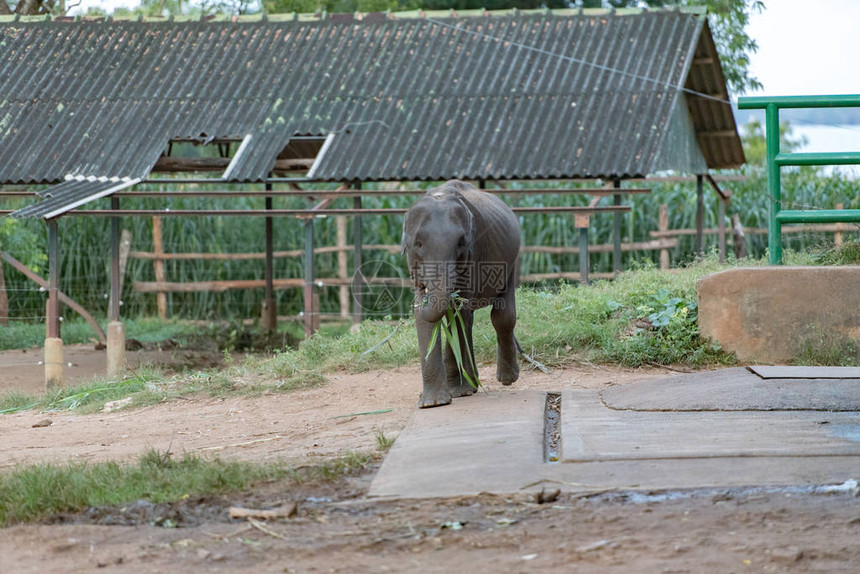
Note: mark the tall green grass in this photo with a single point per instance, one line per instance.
(85, 255)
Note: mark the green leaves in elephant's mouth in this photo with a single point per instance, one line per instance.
(448, 328)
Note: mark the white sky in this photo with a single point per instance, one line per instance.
(796, 38)
(807, 47)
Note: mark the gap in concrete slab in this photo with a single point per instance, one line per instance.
(552, 428)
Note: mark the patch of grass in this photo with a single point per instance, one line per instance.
(644, 316)
(37, 492)
(821, 348)
(846, 254)
(383, 443)
(87, 397)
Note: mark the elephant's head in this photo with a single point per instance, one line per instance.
(438, 235)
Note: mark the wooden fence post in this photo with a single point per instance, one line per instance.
(721, 226)
(158, 264)
(581, 223)
(663, 226)
(739, 237)
(837, 236)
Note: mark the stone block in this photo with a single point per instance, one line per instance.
(772, 314)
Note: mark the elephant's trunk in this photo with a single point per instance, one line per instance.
(438, 301)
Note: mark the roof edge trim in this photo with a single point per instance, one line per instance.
(318, 160)
(66, 208)
(235, 161)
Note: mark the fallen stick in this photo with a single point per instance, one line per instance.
(239, 512)
(264, 529)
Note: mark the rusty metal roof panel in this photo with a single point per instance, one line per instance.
(548, 95)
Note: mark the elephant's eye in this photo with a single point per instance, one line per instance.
(461, 243)
(418, 244)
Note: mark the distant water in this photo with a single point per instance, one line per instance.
(831, 138)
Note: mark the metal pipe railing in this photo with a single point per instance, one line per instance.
(776, 160)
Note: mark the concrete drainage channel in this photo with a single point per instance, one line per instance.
(552, 428)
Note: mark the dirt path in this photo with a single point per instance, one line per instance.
(310, 423)
(337, 529)
(710, 532)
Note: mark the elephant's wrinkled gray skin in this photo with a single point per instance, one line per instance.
(458, 238)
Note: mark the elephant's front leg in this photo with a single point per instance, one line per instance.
(458, 384)
(436, 392)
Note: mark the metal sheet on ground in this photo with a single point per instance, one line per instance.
(788, 372)
(734, 390)
(592, 432)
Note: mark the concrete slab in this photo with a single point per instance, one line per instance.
(789, 372)
(489, 442)
(592, 432)
(493, 443)
(738, 389)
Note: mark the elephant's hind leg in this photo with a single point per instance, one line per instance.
(504, 317)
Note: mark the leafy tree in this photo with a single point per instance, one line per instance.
(755, 142)
(32, 7)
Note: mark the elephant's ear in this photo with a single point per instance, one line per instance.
(403, 243)
(471, 231)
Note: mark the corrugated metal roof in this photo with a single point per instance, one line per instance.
(74, 192)
(549, 95)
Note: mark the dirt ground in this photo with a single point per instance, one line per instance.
(336, 528)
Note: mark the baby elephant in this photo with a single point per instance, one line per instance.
(460, 239)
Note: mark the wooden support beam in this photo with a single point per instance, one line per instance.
(65, 299)
(167, 164)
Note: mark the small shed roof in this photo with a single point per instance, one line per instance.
(541, 95)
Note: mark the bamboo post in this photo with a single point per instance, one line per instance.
(663, 226)
(342, 265)
(158, 264)
(837, 236)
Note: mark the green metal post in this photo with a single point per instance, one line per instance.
(774, 228)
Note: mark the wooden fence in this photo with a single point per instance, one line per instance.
(161, 287)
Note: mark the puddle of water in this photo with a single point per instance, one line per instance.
(552, 428)
(846, 431)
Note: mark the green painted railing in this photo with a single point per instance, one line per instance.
(775, 160)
